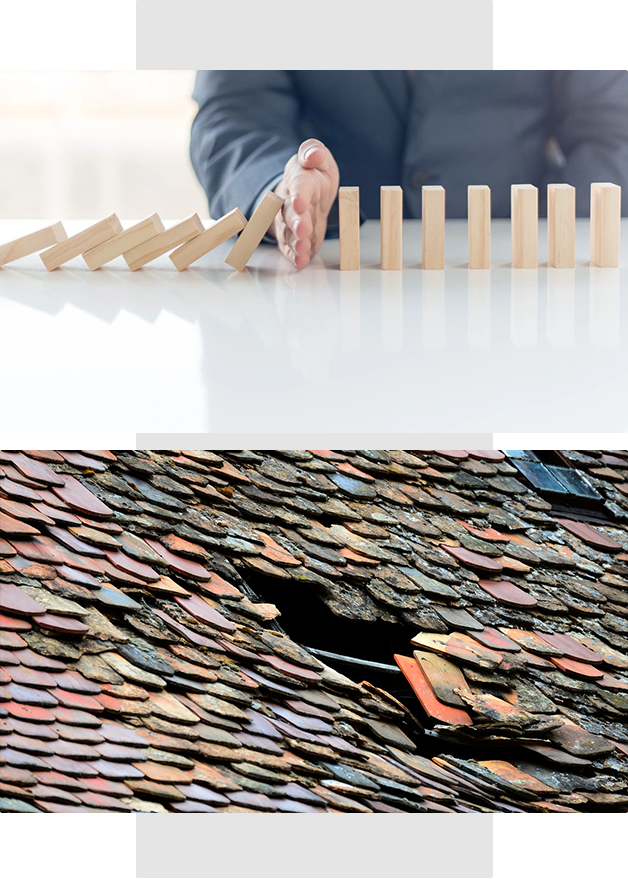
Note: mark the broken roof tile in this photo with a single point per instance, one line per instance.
(459, 647)
(433, 707)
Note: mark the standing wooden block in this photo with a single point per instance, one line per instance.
(524, 202)
(605, 224)
(164, 242)
(218, 232)
(391, 223)
(349, 223)
(433, 227)
(254, 231)
(77, 244)
(32, 243)
(123, 241)
(479, 213)
(561, 225)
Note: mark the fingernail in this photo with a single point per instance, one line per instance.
(309, 151)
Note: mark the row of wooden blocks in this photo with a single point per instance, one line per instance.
(561, 226)
(140, 244)
(188, 240)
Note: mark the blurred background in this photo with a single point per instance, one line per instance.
(85, 144)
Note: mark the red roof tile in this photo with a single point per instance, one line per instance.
(433, 707)
(591, 535)
(507, 592)
(474, 559)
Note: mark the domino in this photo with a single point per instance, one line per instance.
(349, 227)
(391, 214)
(32, 243)
(218, 232)
(525, 225)
(561, 225)
(254, 231)
(75, 245)
(479, 214)
(433, 227)
(143, 231)
(164, 242)
(605, 224)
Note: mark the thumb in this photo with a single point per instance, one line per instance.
(313, 154)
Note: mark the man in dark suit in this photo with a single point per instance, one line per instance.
(301, 132)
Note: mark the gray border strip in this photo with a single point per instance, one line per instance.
(380, 440)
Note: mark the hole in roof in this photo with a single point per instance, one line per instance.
(308, 620)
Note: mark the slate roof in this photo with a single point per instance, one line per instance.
(143, 667)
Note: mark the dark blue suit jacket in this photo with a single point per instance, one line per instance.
(454, 128)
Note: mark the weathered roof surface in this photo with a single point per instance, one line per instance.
(142, 666)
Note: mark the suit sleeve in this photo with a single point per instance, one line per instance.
(245, 131)
(590, 123)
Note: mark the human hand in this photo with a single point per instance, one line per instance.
(309, 187)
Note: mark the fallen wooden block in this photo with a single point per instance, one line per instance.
(479, 214)
(561, 225)
(391, 216)
(75, 245)
(433, 227)
(218, 233)
(254, 231)
(349, 227)
(605, 224)
(32, 243)
(525, 225)
(163, 243)
(143, 231)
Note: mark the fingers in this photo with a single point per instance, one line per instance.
(299, 223)
(297, 251)
(303, 187)
(312, 176)
(314, 154)
(309, 187)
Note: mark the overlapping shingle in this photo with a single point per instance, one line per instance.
(145, 666)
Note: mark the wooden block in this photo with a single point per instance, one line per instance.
(391, 217)
(77, 244)
(605, 224)
(123, 241)
(433, 227)
(524, 203)
(163, 243)
(479, 213)
(349, 223)
(561, 225)
(218, 232)
(254, 231)
(32, 243)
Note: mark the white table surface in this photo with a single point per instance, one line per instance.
(274, 350)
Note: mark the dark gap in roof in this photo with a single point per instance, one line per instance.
(308, 620)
